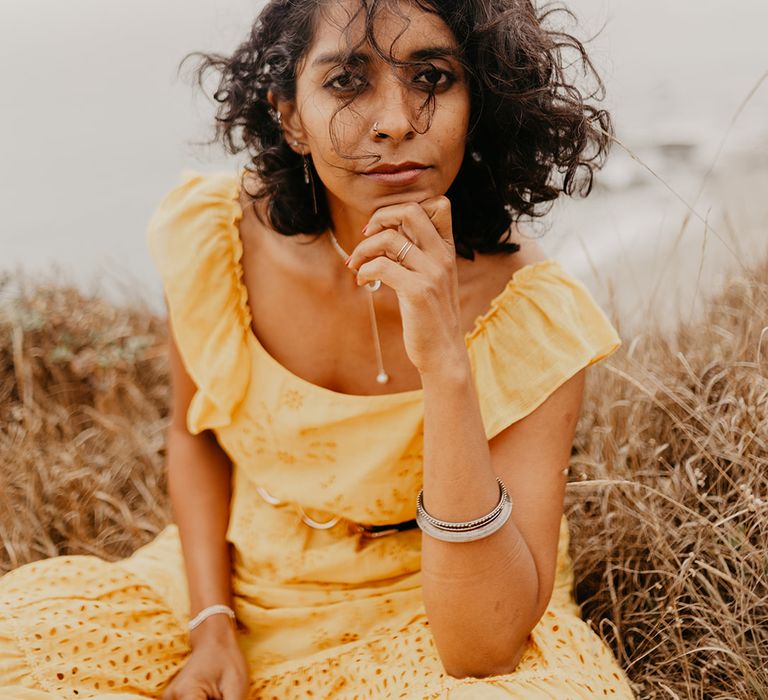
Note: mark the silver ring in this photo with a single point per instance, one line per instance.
(406, 247)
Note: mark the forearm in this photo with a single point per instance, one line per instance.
(199, 489)
(480, 596)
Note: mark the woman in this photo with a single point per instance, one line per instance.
(376, 383)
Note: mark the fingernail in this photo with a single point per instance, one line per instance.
(346, 262)
(365, 229)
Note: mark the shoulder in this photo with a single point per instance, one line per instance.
(194, 188)
(530, 252)
(195, 220)
(193, 242)
(489, 274)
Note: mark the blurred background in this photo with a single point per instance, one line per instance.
(96, 127)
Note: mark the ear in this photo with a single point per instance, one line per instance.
(289, 118)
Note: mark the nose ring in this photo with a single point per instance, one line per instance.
(376, 128)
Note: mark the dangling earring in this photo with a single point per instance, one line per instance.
(308, 179)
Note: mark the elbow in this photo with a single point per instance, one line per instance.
(487, 667)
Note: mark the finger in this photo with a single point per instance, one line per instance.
(414, 221)
(233, 687)
(438, 209)
(390, 273)
(187, 693)
(389, 243)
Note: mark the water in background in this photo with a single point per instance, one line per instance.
(95, 128)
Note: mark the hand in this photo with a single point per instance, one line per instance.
(216, 668)
(425, 281)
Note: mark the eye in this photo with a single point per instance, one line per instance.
(344, 79)
(436, 74)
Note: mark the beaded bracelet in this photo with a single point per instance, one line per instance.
(469, 530)
(210, 610)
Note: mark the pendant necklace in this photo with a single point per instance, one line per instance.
(382, 377)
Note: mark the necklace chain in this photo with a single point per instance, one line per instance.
(382, 377)
(338, 247)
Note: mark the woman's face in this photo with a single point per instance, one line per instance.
(392, 104)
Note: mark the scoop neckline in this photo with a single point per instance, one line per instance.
(408, 395)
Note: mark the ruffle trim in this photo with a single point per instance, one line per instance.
(523, 276)
(193, 240)
(538, 332)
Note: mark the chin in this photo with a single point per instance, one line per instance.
(397, 195)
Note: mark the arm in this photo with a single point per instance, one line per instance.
(484, 597)
(199, 488)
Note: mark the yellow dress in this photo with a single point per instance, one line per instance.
(324, 613)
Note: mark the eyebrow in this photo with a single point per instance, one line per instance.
(417, 55)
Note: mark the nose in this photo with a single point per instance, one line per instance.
(392, 114)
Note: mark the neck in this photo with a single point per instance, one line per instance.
(347, 224)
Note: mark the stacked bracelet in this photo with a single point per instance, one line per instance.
(210, 610)
(468, 530)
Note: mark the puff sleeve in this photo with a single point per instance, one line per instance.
(194, 243)
(539, 331)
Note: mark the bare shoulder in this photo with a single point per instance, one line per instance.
(489, 273)
(254, 210)
(530, 251)
(481, 280)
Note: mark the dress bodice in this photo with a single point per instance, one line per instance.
(358, 456)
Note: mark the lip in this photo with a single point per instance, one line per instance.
(407, 176)
(396, 167)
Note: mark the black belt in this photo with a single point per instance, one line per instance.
(381, 530)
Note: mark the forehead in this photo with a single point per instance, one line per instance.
(399, 26)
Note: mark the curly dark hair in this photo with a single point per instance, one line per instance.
(527, 122)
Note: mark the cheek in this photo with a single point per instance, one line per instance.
(452, 123)
(452, 141)
(329, 152)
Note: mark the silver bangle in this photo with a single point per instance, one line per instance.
(210, 610)
(467, 531)
(467, 535)
(468, 525)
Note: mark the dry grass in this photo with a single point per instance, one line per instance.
(667, 500)
(83, 399)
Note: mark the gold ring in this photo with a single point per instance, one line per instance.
(406, 247)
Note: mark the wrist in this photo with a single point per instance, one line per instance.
(213, 628)
(453, 367)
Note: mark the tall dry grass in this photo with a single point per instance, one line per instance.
(83, 398)
(667, 499)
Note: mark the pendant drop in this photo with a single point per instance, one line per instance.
(376, 284)
(382, 377)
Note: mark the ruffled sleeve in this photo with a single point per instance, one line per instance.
(194, 243)
(539, 331)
